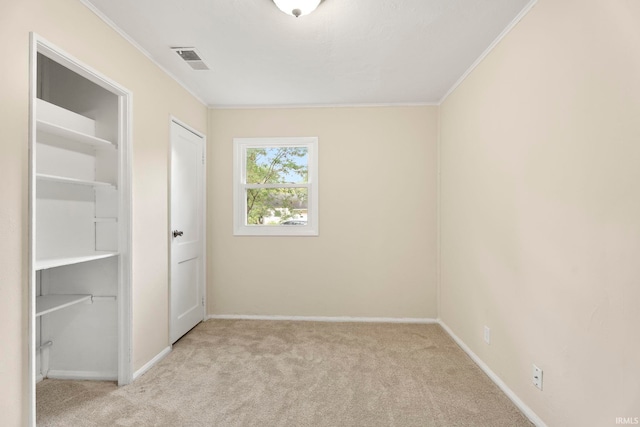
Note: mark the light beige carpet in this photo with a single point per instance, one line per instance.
(267, 373)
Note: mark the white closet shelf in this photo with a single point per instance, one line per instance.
(72, 135)
(65, 180)
(46, 304)
(43, 264)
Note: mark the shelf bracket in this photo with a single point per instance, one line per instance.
(46, 345)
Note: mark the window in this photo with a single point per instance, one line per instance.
(275, 186)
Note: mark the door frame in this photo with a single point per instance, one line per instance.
(38, 44)
(175, 121)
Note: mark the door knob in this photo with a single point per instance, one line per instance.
(177, 233)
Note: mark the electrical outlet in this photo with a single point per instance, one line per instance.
(537, 377)
(487, 334)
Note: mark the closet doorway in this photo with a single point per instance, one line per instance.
(79, 224)
(188, 231)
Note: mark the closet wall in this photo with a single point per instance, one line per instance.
(71, 26)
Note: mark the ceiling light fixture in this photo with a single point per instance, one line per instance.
(297, 7)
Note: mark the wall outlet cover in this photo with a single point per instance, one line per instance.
(537, 377)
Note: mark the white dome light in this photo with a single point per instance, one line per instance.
(297, 7)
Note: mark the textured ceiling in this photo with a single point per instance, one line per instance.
(347, 52)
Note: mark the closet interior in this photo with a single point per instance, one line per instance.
(79, 227)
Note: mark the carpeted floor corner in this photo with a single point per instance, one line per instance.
(281, 373)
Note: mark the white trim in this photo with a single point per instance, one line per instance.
(67, 60)
(40, 45)
(125, 114)
(484, 54)
(528, 412)
(133, 43)
(193, 130)
(146, 53)
(59, 374)
(240, 226)
(488, 50)
(338, 319)
(125, 239)
(151, 363)
(438, 210)
(203, 214)
(296, 106)
(32, 377)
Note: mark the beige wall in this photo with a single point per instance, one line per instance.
(539, 205)
(68, 24)
(375, 255)
(540, 230)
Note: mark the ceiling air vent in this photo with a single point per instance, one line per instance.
(191, 57)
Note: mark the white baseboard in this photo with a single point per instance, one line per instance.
(496, 379)
(59, 374)
(420, 320)
(528, 412)
(151, 363)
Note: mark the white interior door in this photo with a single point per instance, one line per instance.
(187, 230)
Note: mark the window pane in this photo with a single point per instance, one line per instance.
(277, 165)
(277, 206)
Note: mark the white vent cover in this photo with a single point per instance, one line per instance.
(191, 57)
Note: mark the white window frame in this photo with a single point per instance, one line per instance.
(240, 186)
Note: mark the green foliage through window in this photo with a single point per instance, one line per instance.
(277, 165)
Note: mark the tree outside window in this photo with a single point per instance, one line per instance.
(275, 186)
(281, 165)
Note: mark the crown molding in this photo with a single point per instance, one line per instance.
(133, 43)
(288, 106)
(452, 89)
(488, 50)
